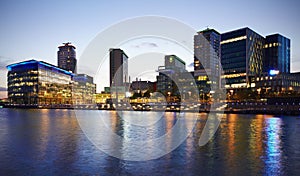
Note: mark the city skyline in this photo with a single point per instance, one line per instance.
(34, 29)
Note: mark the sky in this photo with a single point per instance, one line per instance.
(34, 29)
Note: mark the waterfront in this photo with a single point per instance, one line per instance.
(50, 142)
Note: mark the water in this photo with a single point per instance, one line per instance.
(51, 142)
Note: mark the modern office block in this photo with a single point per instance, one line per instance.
(173, 80)
(242, 57)
(38, 83)
(66, 57)
(118, 67)
(83, 90)
(277, 53)
(207, 53)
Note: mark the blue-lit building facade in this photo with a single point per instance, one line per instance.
(38, 83)
(242, 57)
(277, 53)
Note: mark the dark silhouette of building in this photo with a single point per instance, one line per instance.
(118, 67)
(66, 57)
(277, 53)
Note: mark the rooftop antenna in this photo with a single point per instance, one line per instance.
(67, 43)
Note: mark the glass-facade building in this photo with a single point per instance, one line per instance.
(38, 83)
(83, 89)
(207, 54)
(173, 80)
(277, 53)
(242, 57)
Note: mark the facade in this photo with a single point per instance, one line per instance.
(118, 67)
(173, 80)
(38, 83)
(207, 53)
(241, 57)
(84, 89)
(66, 57)
(277, 84)
(277, 53)
(102, 98)
(142, 86)
(167, 74)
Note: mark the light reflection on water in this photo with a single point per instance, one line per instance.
(47, 142)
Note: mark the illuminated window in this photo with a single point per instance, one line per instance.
(234, 39)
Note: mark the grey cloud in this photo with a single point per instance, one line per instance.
(4, 61)
(2, 89)
(146, 45)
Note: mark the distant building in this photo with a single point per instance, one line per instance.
(66, 57)
(207, 54)
(275, 83)
(173, 80)
(118, 67)
(38, 83)
(142, 86)
(277, 53)
(167, 74)
(103, 97)
(242, 57)
(84, 89)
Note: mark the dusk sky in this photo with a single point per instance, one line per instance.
(34, 29)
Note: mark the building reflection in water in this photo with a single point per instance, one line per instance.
(47, 139)
(273, 151)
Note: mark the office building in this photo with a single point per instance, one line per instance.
(38, 83)
(173, 80)
(142, 86)
(242, 57)
(118, 67)
(167, 74)
(275, 83)
(66, 57)
(277, 53)
(84, 89)
(207, 53)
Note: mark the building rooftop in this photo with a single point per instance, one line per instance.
(24, 63)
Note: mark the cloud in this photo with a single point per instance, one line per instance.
(146, 45)
(2, 89)
(4, 61)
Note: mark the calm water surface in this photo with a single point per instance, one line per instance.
(50, 142)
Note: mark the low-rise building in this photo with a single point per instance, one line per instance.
(38, 83)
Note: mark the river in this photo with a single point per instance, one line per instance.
(51, 142)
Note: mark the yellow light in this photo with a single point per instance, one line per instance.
(234, 39)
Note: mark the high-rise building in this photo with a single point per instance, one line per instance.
(38, 83)
(277, 53)
(118, 67)
(242, 57)
(207, 53)
(66, 57)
